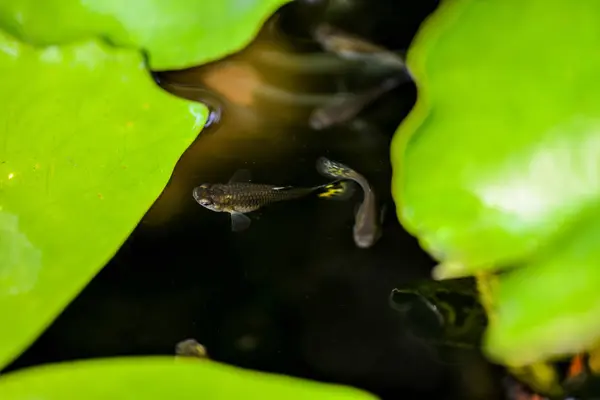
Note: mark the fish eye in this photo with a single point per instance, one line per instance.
(205, 202)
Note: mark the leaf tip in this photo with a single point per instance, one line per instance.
(449, 270)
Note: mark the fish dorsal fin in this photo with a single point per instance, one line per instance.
(241, 176)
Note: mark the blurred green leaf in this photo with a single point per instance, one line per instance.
(550, 308)
(503, 144)
(176, 33)
(499, 160)
(487, 159)
(162, 378)
(87, 143)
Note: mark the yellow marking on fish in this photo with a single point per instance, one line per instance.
(333, 190)
(337, 171)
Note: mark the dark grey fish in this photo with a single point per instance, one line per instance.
(239, 196)
(367, 224)
(345, 107)
(352, 47)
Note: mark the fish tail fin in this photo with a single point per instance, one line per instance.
(336, 190)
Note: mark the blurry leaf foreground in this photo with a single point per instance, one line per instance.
(87, 143)
(175, 34)
(497, 164)
(151, 378)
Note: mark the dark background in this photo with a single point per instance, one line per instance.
(293, 294)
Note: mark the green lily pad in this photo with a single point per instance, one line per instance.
(162, 378)
(87, 143)
(175, 34)
(550, 308)
(502, 147)
(497, 164)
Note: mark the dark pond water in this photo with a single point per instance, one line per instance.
(293, 294)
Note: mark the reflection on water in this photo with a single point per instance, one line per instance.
(292, 294)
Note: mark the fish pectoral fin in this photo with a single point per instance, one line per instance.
(239, 222)
(241, 176)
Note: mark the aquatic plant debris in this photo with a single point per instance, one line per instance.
(87, 143)
(175, 34)
(497, 164)
(156, 377)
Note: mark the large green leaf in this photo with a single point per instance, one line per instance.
(161, 378)
(175, 33)
(87, 143)
(551, 307)
(503, 144)
(499, 159)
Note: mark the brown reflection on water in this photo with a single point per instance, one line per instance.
(235, 81)
(248, 130)
(264, 117)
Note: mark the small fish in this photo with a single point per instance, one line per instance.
(345, 107)
(190, 348)
(426, 329)
(239, 196)
(367, 224)
(352, 47)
